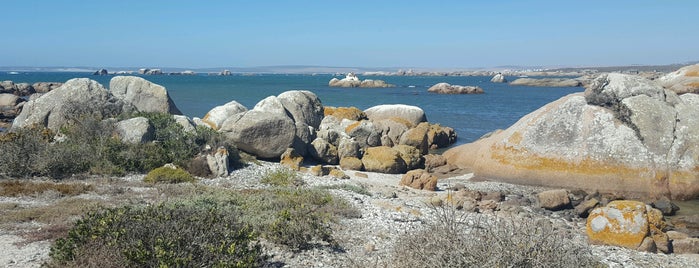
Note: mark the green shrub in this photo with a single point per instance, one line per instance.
(283, 177)
(174, 235)
(489, 241)
(348, 187)
(168, 175)
(298, 218)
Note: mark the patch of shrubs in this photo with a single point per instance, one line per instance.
(86, 144)
(168, 174)
(454, 240)
(166, 235)
(215, 228)
(282, 177)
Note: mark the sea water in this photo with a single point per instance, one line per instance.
(471, 116)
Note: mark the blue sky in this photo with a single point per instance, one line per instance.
(429, 34)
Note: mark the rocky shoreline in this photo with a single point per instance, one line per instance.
(390, 211)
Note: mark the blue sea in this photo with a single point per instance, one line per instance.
(470, 115)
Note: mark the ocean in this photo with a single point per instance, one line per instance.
(471, 116)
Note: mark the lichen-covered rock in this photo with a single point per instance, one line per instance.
(553, 199)
(291, 159)
(417, 137)
(392, 129)
(411, 155)
(135, 130)
(433, 161)
(348, 147)
(583, 209)
(216, 116)
(440, 137)
(383, 159)
(419, 179)
(684, 80)
(143, 95)
(351, 113)
(351, 163)
(620, 223)
(626, 134)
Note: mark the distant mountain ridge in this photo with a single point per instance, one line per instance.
(310, 69)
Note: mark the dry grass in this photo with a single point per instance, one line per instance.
(14, 188)
(59, 212)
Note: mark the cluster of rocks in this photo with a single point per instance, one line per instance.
(351, 80)
(446, 88)
(386, 139)
(546, 82)
(13, 97)
(624, 134)
(147, 71)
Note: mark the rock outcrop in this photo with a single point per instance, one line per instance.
(135, 130)
(446, 88)
(216, 116)
(142, 94)
(353, 81)
(264, 134)
(383, 159)
(546, 82)
(498, 78)
(413, 114)
(684, 80)
(625, 134)
(76, 96)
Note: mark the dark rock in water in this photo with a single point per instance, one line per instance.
(101, 72)
(666, 206)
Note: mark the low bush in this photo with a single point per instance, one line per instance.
(489, 241)
(348, 187)
(166, 235)
(168, 174)
(87, 144)
(23, 188)
(283, 177)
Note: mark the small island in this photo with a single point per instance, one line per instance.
(351, 80)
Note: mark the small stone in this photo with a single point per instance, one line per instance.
(554, 199)
(583, 209)
(686, 246)
(675, 235)
(361, 175)
(436, 201)
(648, 245)
(666, 206)
(369, 247)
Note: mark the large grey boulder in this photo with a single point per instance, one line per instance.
(77, 96)
(264, 134)
(142, 94)
(392, 130)
(364, 133)
(446, 88)
(216, 116)
(546, 82)
(625, 134)
(218, 162)
(302, 106)
(412, 114)
(684, 80)
(135, 130)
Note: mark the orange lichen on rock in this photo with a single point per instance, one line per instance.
(692, 73)
(352, 126)
(621, 223)
(351, 113)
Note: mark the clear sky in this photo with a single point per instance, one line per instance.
(430, 34)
